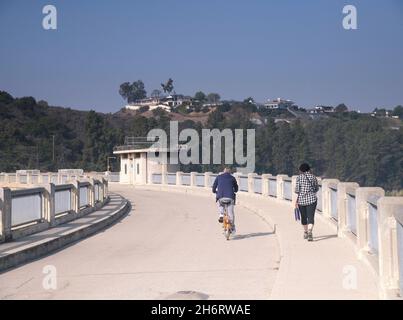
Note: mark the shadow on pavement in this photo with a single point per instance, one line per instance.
(320, 238)
(252, 235)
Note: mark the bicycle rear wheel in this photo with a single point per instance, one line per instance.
(227, 227)
(227, 233)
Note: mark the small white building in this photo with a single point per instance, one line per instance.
(176, 100)
(279, 104)
(137, 163)
(324, 109)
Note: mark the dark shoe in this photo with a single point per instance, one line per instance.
(305, 235)
(310, 237)
(220, 219)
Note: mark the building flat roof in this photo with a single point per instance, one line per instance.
(134, 149)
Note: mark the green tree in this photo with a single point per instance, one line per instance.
(200, 96)
(168, 86)
(156, 93)
(215, 120)
(249, 100)
(133, 92)
(95, 148)
(282, 150)
(139, 126)
(5, 98)
(398, 111)
(264, 147)
(213, 98)
(125, 90)
(341, 108)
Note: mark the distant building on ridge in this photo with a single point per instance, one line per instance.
(166, 103)
(279, 104)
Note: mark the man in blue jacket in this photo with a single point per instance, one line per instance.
(225, 186)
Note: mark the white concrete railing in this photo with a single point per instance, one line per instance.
(371, 222)
(53, 177)
(27, 207)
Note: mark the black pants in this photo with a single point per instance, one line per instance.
(307, 214)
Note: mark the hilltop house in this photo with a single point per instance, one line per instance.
(322, 109)
(279, 104)
(166, 103)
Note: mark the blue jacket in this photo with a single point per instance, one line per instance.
(226, 185)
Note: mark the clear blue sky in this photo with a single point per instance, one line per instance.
(265, 49)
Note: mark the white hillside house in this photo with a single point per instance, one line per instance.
(165, 103)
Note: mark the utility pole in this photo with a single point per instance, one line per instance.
(53, 152)
(37, 157)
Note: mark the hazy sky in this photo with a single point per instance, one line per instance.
(264, 49)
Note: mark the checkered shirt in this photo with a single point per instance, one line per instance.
(306, 188)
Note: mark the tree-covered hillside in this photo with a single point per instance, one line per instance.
(347, 145)
(36, 136)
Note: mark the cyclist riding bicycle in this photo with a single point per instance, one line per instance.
(225, 186)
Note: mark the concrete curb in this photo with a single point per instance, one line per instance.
(50, 245)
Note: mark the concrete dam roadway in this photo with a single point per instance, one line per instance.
(169, 246)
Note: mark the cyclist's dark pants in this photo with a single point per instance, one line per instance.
(307, 214)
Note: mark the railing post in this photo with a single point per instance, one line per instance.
(91, 192)
(29, 178)
(293, 185)
(101, 191)
(280, 186)
(207, 180)
(326, 198)
(362, 195)
(265, 184)
(6, 178)
(179, 178)
(164, 177)
(342, 205)
(399, 233)
(387, 237)
(17, 177)
(251, 182)
(193, 179)
(50, 203)
(5, 211)
(270, 177)
(105, 188)
(76, 196)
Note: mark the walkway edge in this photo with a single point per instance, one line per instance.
(51, 245)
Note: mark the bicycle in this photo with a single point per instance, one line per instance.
(227, 225)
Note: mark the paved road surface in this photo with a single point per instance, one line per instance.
(169, 246)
